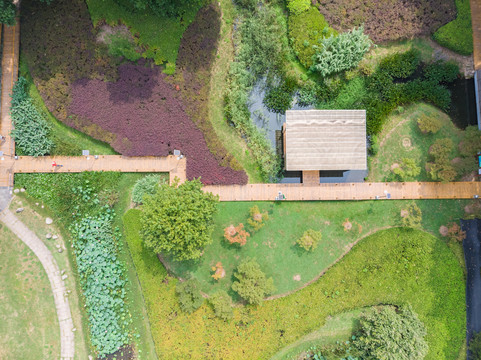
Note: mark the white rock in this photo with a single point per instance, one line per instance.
(64, 277)
(16, 191)
(48, 236)
(36, 204)
(74, 329)
(60, 250)
(62, 272)
(43, 206)
(55, 237)
(48, 221)
(19, 210)
(22, 190)
(57, 246)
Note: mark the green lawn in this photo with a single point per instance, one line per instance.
(274, 246)
(458, 34)
(158, 36)
(28, 321)
(337, 328)
(401, 138)
(68, 141)
(396, 266)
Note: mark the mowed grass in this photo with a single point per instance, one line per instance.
(158, 36)
(28, 321)
(67, 140)
(274, 246)
(396, 266)
(401, 138)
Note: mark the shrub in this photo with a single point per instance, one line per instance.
(429, 124)
(307, 94)
(297, 7)
(305, 31)
(408, 169)
(222, 304)
(457, 35)
(342, 52)
(373, 144)
(455, 233)
(148, 185)
(441, 149)
(475, 346)
(31, 131)
(256, 218)
(8, 11)
(279, 99)
(251, 283)
(236, 234)
(179, 220)
(121, 46)
(219, 271)
(188, 293)
(392, 334)
(471, 143)
(412, 216)
(103, 282)
(309, 239)
(401, 65)
(441, 71)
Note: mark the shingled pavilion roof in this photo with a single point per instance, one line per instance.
(325, 140)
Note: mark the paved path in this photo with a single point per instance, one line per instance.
(347, 191)
(67, 343)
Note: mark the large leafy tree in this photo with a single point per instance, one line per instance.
(252, 284)
(392, 334)
(179, 220)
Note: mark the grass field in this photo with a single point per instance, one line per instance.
(274, 246)
(396, 266)
(401, 138)
(158, 36)
(28, 320)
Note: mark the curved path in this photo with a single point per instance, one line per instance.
(67, 342)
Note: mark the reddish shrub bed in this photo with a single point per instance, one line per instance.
(388, 20)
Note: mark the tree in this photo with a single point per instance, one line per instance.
(441, 169)
(236, 234)
(412, 216)
(407, 170)
(297, 7)
(309, 239)
(252, 284)
(179, 220)
(475, 347)
(392, 334)
(342, 52)
(429, 124)
(7, 12)
(188, 293)
(222, 304)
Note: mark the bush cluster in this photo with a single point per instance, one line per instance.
(148, 185)
(251, 283)
(189, 295)
(31, 131)
(429, 124)
(309, 240)
(121, 46)
(257, 218)
(222, 304)
(408, 169)
(278, 99)
(103, 282)
(440, 168)
(236, 234)
(412, 216)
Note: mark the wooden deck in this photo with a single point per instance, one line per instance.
(348, 191)
(11, 41)
(43, 164)
(476, 21)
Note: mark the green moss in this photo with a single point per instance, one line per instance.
(457, 35)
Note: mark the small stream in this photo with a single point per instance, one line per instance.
(463, 103)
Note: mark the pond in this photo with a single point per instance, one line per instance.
(463, 103)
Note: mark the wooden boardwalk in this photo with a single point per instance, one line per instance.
(11, 41)
(476, 21)
(347, 191)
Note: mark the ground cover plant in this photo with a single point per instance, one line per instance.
(159, 35)
(411, 263)
(381, 18)
(275, 246)
(27, 306)
(457, 35)
(402, 138)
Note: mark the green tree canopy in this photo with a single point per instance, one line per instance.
(393, 335)
(252, 284)
(179, 220)
(7, 12)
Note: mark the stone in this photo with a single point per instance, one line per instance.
(48, 236)
(48, 221)
(64, 277)
(22, 190)
(57, 246)
(16, 191)
(37, 204)
(60, 250)
(74, 329)
(62, 272)
(90, 357)
(19, 210)
(55, 237)
(43, 206)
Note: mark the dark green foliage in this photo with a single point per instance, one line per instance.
(305, 31)
(441, 71)
(344, 350)
(394, 334)
(373, 144)
(307, 94)
(103, 282)
(148, 185)
(31, 131)
(222, 304)
(401, 65)
(188, 293)
(278, 99)
(179, 220)
(457, 35)
(170, 8)
(342, 52)
(475, 347)
(121, 46)
(251, 283)
(7, 12)
(441, 168)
